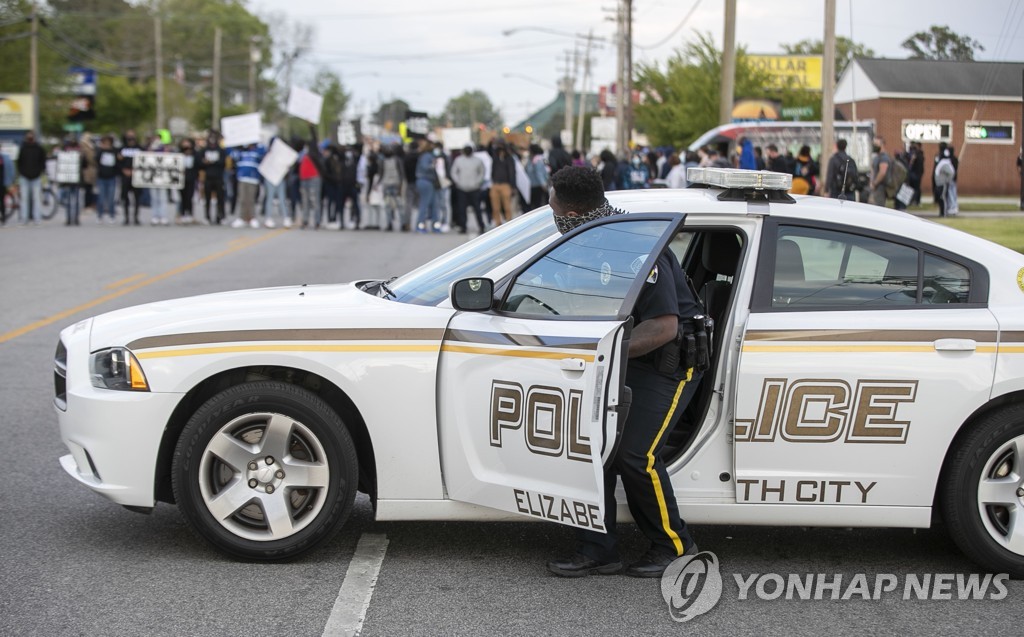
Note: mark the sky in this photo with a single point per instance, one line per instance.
(427, 52)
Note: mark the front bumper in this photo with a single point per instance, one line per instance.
(113, 436)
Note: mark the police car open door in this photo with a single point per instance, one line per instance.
(531, 392)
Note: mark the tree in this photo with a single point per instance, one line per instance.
(682, 98)
(469, 108)
(328, 84)
(941, 43)
(846, 50)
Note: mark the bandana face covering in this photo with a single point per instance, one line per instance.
(566, 223)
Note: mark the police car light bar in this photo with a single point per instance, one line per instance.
(734, 178)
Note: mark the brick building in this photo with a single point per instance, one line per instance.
(974, 106)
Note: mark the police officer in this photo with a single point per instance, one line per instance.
(659, 398)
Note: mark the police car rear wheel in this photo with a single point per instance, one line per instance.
(983, 495)
(265, 470)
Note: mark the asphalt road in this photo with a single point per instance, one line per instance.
(73, 563)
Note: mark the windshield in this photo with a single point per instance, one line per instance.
(428, 284)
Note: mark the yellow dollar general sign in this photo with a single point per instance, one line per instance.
(794, 71)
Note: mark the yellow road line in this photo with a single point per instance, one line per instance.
(49, 320)
(125, 281)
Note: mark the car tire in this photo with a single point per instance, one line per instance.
(265, 471)
(982, 493)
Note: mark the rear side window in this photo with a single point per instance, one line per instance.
(830, 269)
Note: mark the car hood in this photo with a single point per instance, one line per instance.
(293, 307)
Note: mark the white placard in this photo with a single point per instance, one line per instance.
(456, 138)
(69, 166)
(905, 194)
(277, 162)
(347, 134)
(522, 181)
(305, 104)
(158, 170)
(602, 127)
(241, 130)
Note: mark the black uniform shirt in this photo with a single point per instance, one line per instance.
(665, 292)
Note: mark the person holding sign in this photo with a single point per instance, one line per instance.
(125, 158)
(69, 175)
(106, 178)
(212, 165)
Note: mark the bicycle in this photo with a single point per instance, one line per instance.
(49, 203)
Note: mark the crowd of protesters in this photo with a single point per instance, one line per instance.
(417, 187)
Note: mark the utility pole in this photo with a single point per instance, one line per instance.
(568, 88)
(216, 78)
(159, 55)
(620, 78)
(627, 92)
(578, 141)
(254, 57)
(33, 77)
(828, 109)
(728, 64)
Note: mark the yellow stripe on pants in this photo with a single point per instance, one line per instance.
(655, 480)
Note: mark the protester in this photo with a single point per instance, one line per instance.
(87, 147)
(70, 194)
(558, 157)
(776, 162)
(842, 174)
(106, 179)
(880, 166)
(609, 169)
(637, 175)
(125, 159)
(427, 184)
(392, 176)
(6, 180)
(467, 178)
(676, 177)
(187, 148)
(747, 159)
(31, 164)
(503, 179)
(944, 178)
(214, 166)
(537, 171)
(805, 173)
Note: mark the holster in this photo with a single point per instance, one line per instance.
(691, 347)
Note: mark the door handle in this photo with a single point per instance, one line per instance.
(955, 345)
(572, 364)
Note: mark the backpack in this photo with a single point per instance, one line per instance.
(845, 178)
(896, 177)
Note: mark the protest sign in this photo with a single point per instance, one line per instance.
(456, 138)
(241, 130)
(69, 167)
(277, 162)
(305, 104)
(158, 170)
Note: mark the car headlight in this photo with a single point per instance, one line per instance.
(116, 368)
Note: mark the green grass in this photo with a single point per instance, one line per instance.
(1006, 231)
(971, 206)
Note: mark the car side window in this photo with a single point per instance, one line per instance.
(589, 275)
(826, 268)
(944, 281)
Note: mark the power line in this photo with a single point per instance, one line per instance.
(674, 31)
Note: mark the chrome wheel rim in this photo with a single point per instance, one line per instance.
(1001, 495)
(264, 476)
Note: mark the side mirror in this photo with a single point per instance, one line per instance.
(472, 295)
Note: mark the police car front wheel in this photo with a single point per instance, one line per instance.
(983, 494)
(265, 470)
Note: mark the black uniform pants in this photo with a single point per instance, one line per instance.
(658, 402)
(185, 205)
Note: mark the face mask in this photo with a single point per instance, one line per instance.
(349, 155)
(566, 223)
(876, 149)
(636, 161)
(437, 152)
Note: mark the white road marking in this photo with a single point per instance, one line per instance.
(354, 597)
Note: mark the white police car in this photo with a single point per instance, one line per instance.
(868, 371)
